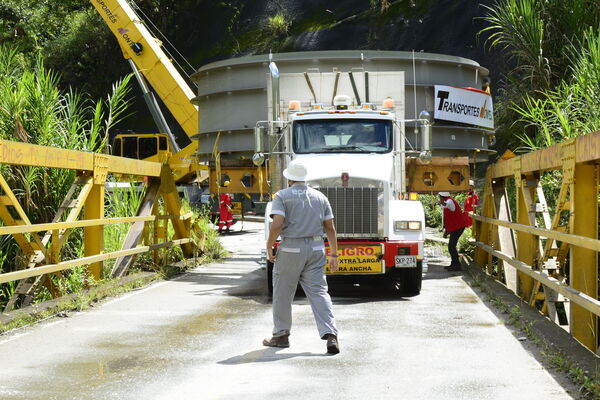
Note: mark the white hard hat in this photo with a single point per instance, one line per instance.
(295, 172)
(445, 194)
(471, 182)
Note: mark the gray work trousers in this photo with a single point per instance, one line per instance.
(301, 260)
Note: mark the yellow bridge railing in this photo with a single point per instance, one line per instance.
(83, 208)
(550, 261)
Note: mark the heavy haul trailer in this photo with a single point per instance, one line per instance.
(343, 114)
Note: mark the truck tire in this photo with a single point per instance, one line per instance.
(409, 280)
(270, 278)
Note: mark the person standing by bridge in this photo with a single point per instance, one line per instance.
(225, 214)
(471, 203)
(300, 215)
(454, 225)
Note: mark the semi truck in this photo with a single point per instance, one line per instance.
(343, 113)
(355, 153)
(364, 124)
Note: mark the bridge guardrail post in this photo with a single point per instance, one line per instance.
(94, 209)
(526, 242)
(482, 229)
(583, 275)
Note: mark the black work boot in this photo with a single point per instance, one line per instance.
(333, 346)
(277, 341)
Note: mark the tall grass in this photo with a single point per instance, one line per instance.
(550, 95)
(34, 110)
(573, 108)
(518, 26)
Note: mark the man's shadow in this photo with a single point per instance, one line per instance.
(268, 354)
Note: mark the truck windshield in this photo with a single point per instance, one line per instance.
(342, 136)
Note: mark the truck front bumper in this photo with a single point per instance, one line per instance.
(375, 257)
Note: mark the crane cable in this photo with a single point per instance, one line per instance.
(147, 21)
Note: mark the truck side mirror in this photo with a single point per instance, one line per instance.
(425, 128)
(258, 159)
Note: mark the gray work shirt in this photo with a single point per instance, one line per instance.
(304, 209)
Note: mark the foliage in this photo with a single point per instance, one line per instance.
(120, 202)
(433, 212)
(573, 108)
(550, 94)
(213, 249)
(382, 5)
(278, 25)
(33, 109)
(464, 243)
(271, 38)
(30, 24)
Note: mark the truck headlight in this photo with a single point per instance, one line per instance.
(407, 225)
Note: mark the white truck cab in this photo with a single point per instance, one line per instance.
(355, 155)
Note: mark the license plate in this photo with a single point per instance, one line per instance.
(406, 261)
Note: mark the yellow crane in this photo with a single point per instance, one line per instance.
(146, 57)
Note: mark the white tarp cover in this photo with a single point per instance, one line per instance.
(465, 105)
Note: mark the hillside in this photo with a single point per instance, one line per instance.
(77, 44)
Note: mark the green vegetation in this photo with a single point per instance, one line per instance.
(278, 25)
(433, 210)
(35, 110)
(551, 93)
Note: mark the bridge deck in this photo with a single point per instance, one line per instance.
(199, 336)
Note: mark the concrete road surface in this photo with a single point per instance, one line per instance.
(199, 337)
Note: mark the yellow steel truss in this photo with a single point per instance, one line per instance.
(562, 257)
(43, 253)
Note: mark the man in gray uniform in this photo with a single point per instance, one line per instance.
(300, 215)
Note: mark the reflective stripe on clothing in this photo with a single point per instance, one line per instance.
(307, 267)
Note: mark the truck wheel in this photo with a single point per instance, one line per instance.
(409, 280)
(270, 278)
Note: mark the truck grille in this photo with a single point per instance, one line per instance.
(354, 209)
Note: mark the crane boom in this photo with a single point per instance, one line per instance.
(144, 50)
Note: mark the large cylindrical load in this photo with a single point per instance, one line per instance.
(232, 97)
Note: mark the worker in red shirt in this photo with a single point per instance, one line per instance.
(454, 225)
(471, 203)
(225, 214)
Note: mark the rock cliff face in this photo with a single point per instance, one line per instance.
(206, 31)
(437, 26)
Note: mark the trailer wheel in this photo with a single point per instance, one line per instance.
(270, 278)
(409, 280)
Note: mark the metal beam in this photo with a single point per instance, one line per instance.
(584, 262)
(15, 153)
(47, 269)
(526, 243)
(576, 240)
(93, 236)
(10, 230)
(587, 302)
(587, 148)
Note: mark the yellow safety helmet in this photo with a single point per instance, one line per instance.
(226, 183)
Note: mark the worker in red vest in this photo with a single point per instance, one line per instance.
(454, 225)
(471, 203)
(225, 214)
